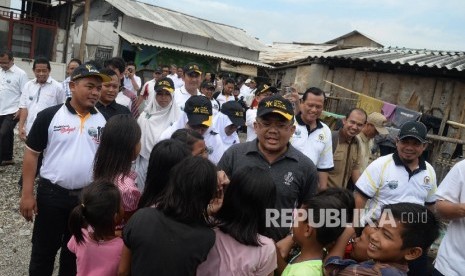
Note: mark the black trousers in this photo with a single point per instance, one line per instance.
(7, 125)
(51, 231)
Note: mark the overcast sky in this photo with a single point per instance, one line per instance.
(430, 24)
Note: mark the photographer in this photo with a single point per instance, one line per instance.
(131, 81)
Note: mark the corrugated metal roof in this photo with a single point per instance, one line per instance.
(145, 41)
(335, 40)
(187, 23)
(450, 60)
(279, 53)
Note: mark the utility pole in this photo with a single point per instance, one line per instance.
(85, 22)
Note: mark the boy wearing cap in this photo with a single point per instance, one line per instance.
(192, 78)
(375, 126)
(197, 115)
(226, 123)
(66, 134)
(262, 92)
(294, 174)
(403, 176)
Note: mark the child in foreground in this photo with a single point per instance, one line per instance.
(312, 232)
(98, 251)
(403, 233)
(119, 146)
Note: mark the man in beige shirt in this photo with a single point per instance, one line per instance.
(346, 150)
(375, 126)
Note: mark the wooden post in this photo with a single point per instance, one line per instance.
(82, 46)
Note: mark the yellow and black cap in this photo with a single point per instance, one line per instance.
(192, 67)
(276, 104)
(234, 111)
(199, 111)
(88, 70)
(265, 88)
(164, 84)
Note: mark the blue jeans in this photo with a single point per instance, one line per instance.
(7, 125)
(51, 231)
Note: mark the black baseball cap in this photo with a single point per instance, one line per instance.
(413, 129)
(158, 70)
(276, 104)
(88, 70)
(199, 111)
(165, 84)
(192, 67)
(234, 111)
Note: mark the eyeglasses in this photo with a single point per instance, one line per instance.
(282, 126)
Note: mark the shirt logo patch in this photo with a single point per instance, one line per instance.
(95, 133)
(426, 180)
(210, 150)
(64, 129)
(321, 137)
(297, 133)
(393, 184)
(288, 178)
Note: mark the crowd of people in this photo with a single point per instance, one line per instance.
(153, 179)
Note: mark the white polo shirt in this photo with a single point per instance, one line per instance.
(181, 96)
(12, 82)
(69, 143)
(450, 259)
(36, 97)
(316, 144)
(387, 181)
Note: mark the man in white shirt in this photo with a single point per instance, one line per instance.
(173, 71)
(72, 64)
(148, 90)
(227, 93)
(38, 94)
(12, 81)
(192, 78)
(450, 259)
(131, 80)
(178, 78)
(313, 137)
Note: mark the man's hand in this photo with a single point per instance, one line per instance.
(22, 134)
(28, 207)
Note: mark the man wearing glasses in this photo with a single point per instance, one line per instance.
(313, 137)
(294, 174)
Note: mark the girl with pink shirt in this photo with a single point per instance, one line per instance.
(240, 246)
(119, 147)
(92, 224)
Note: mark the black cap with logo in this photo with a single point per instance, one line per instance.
(88, 70)
(165, 84)
(192, 67)
(234, 111)
(276, 104)
(413, 129)
(199, 111)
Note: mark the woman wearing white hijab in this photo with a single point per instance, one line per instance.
(227, 121)
(160, 113)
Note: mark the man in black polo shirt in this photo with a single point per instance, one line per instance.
(106, 103)
(294, 174)
(68, 135)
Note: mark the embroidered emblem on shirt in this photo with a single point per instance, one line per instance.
(321, 137)
(288, 178)
(297, 133)
(95, 133)
(64, 129)
(210, 150)
(426, 180)
(393, 184)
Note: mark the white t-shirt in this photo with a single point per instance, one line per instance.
(128, 83)
(223, 98)
(51, 93)
(385, 182)
(450, 259)
(178, 82)
(317, 145)
(123, 100)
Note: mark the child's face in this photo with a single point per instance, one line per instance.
(299, 228)
(360, 245)
(386, 241)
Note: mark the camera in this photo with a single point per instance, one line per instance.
(130, 70)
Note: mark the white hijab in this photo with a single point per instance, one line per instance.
(153, 121)
(220, 121)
